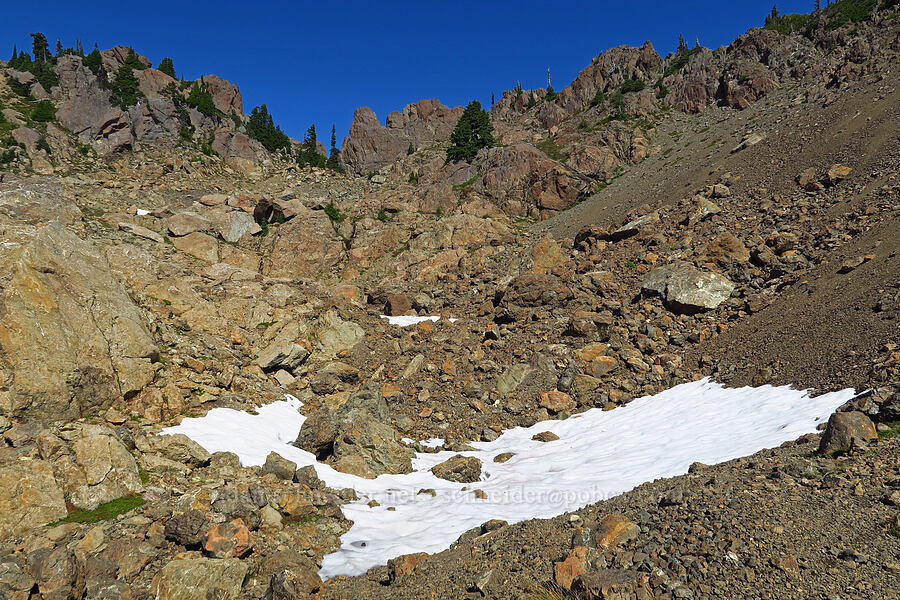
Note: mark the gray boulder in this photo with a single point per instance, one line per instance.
(843, 427)
(686, 289)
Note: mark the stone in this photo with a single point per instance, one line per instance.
(405, 564)
(213, 199)
(334, 334)
(141, 232)
(545, 436)
(31, 497)
(73, 339)
(512, 378)
(461, 469)
(281, 355)
(181, 448)
(184, 223)
(576, 563)
(226, 96)
(613, 530)
(686, 289)
(110, 471)
(307, 476)
(293, 584)
(556, 401)
(837, 173)
(634, 227)
(199, 245)
(843, 427)
(270, 517)
(235, 225)
(280, 466)
(228, 540)
(187, 528)
(56, 573)
(611, 583)
(397, 304)
(200, 579)
(485, 581)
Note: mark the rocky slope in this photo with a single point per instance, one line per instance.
(741, 226)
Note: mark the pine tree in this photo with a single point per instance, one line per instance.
(43, 112)
(39, 47)
(309, 154)
(168, 67)
(59, 48)
(94, 61)
(682, 45)
(125, 89)
(261, 127)
(15, 54)
(334, 155)
(134, 61)
(473, 132)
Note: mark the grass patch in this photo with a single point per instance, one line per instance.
(468, 183)
(104, 512)
(550, 148)
(894, 532)
(145, 477)
(894, 431)
(334, 213)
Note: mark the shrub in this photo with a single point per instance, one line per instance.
(334, 213)
(473, 132)
(43, 112)
(632, 85)
(43, 145)
(681, 60)
(414, 178)
(599, 98)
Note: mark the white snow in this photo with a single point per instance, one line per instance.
(429, 443)
(407, 320)
(599, 455)
(141, 212)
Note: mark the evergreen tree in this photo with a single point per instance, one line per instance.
(309, 154)
(59, 48)
(94, 61)
(334, 155)
(43, 112)
(262, 128)
(133, 61)
(125, 89)
(473, 132)
(551, 94)
(200, 98)
(15, 54)
(39, 47)
(682, 45)
(167, 67)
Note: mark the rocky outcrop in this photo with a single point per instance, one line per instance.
(238, 150)
(114, 57)
(31, 497)
(81, 101)
(369, 146)
(226, 96)
(71, 339)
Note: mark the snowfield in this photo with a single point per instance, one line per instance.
(599, 455)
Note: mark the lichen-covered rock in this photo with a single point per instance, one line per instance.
(686, 289)
(461, 469)
(31, 497)
(200, 579)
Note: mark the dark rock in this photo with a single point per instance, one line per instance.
(843, 427)
(461, 469)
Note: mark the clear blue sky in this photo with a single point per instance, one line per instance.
(316, 61)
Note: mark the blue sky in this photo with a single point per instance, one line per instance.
(315, 62)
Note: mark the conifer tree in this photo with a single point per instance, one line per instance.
(261, 127)
(473, 132)
(168, 67)
(125, 89)
(334, 155)
(39, 47)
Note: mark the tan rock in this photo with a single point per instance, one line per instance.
(615, 529)
(31, 497)
(200, 579)
(199, 245)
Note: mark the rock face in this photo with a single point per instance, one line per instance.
(369, 146)
(72, 340)
(226, 96)
(82, 103)
(31, 497)
(108, 469)
(687, 289)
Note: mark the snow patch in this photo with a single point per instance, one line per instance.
(142, 212)
(600, 454)
(407, 320)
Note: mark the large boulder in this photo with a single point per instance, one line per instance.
(355, 430)
(686, 289)
(109, 471)
(200, 579)
(843, 428)
(226, 96)
(71, 339)
(31, 497)
(114, 57)
(151, 81)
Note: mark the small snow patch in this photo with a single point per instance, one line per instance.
(407, 320)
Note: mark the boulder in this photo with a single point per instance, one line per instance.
(151, 81)
(228, 540)
(114, 57)
(57, 573)
(282, 355)
(843, 427)
(141, 232)
(112, 132)
(280, 466)
(31, 497)
(615, 529)
(71, 337)
(199, 245)
(110, 471)
(235, 225)
(333, 334)
(686, 289)
(226, 96)
(461, 469)
(556, 401)
(187, 222)
(200, 579)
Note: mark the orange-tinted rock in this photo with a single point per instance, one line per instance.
(615, 529)
(228, 540)
(556, 401)
(575, 564)
(406, 564)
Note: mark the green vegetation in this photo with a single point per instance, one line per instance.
(104, 512)
(682, 56)
(473, 132)
(43, 145)
(409, 150)
(133, 61)
(893, 431)
(308, 154)
(262, 128)
(125, 89)
(200, 98)
(617, 104)
(785, 24)
(467, 183)
(43, 112)
(532, 100)
(551, 94)
(599, 99)
(94, 61)
(168, 67)
(414, 177)
(383, 216)
(334, 154)
(549, 147)
(334, 213)
(632, 85)
(42, 65)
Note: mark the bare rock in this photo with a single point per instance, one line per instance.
(31, 497)
(200, 579)
(687, 289)
(461, 469)
(843, 427)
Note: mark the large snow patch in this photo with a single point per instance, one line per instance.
(599, 455)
